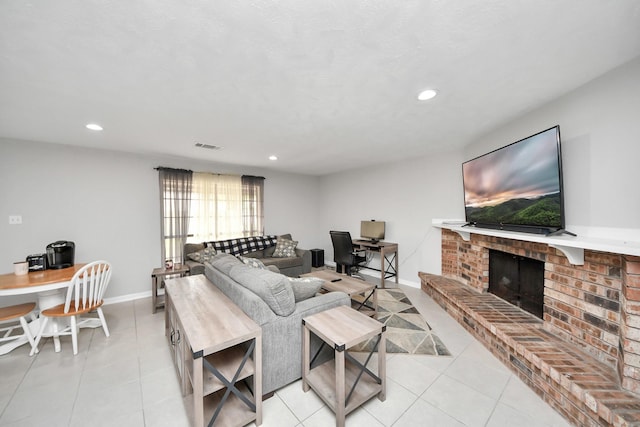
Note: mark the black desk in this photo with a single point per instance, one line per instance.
(388, 252)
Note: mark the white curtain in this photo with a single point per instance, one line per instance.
(216, 207)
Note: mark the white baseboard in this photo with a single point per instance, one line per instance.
(376, 275)
(126, 298)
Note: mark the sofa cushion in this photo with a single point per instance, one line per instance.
(273, 288)
(285, 248)
(283, 262)
(305, 287)
(268, 252)
(224, 262)
(255, 254)
(202, 255)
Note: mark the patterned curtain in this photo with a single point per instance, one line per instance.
(175, 202)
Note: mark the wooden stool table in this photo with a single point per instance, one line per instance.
(341, 328)
(158, 276)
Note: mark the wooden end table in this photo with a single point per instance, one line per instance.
(217, 352)
(344, 383)
(158, 276)
(335, 282)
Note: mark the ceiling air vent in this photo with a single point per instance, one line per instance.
(207, 146)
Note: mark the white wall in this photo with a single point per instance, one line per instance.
(406, 195)
(108, 204)
(600, 133)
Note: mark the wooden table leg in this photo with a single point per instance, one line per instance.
(396, 262)
(382, 270)
(305, 357)
(257, 378)
(340, 389)
(198, 404)
(154, 292)
(382, 366)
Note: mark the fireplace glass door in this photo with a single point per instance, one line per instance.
(518, 280)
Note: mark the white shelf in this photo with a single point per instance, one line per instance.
(571, 246)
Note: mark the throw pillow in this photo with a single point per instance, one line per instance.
(272, 288)
(252, 262)
(202, 255)
(305, 287)
(285, 248)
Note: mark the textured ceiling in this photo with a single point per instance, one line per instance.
(324, 85)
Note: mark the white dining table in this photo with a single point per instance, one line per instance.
(48, 285)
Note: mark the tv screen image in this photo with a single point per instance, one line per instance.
(517, 187)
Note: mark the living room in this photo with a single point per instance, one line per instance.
(48, 184)
(107, 201)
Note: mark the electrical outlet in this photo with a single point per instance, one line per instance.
(15, 219)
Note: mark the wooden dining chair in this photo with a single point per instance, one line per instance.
(13, 314)
(84, 295)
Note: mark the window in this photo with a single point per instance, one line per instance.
(208, 207)
(216, 207)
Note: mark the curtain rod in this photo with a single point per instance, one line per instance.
(163, 168)
(211, 173)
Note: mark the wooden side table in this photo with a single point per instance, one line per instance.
(344, 383)
(217, 352)
(158, 276)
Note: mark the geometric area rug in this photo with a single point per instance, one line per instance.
(407, 331)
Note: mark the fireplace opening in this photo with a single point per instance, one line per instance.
(518, 280)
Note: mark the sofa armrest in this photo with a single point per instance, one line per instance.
(305, 254)
(282, 341)
(195, 267)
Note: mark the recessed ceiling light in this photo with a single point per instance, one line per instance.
(272, 157)
(427, 94)
(94, 126)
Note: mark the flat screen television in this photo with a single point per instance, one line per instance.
(372, 230)
(517, 187)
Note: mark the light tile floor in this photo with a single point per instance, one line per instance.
(128, 380)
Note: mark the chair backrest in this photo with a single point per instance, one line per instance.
(342, 247)
(88, 285)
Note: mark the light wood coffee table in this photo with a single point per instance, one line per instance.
(352, 286)
(343, 383)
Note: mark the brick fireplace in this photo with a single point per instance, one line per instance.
(593, 306)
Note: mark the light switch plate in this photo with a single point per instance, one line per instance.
(15, 219)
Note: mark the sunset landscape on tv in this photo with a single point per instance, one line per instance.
(519, 184)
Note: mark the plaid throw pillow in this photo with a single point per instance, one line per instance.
(285, 248)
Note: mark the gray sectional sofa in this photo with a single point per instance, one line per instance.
(275, 303)
(289, 266)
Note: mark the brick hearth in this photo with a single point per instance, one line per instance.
(584, 358)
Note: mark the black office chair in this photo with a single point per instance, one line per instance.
(343, 254)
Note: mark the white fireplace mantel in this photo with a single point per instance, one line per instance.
(572, 247)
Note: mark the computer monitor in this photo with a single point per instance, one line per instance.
(372, 230)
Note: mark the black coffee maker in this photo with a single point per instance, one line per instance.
(61, 254)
